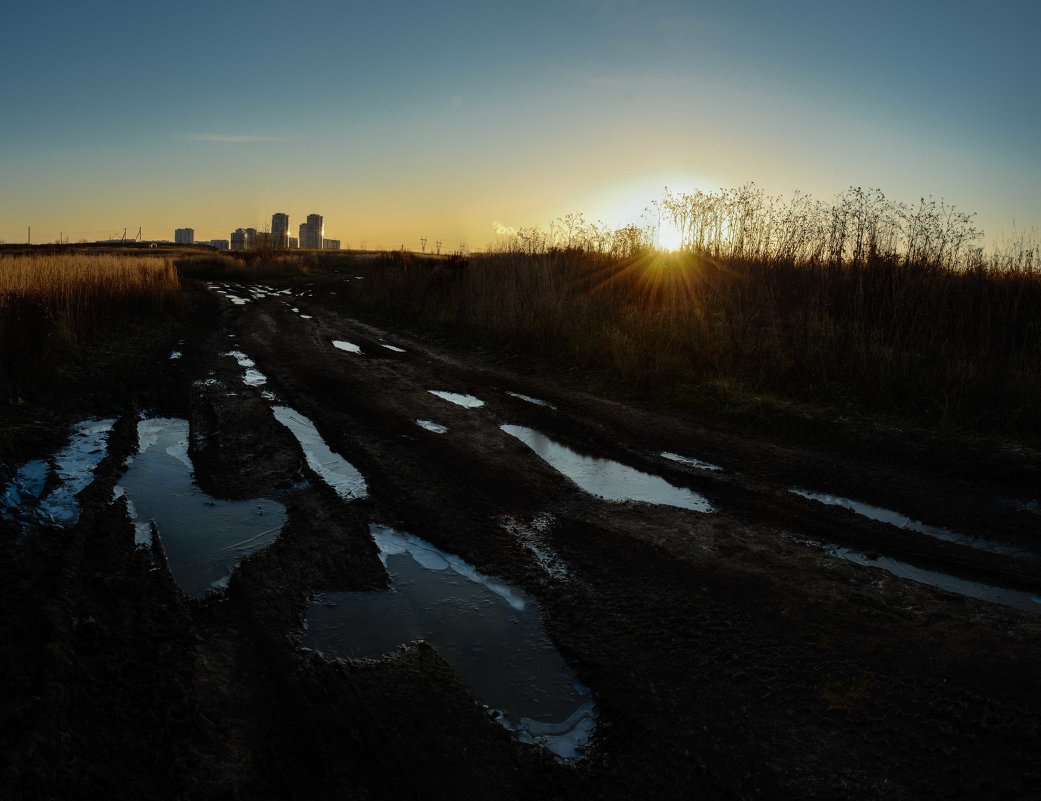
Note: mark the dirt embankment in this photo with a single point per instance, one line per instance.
(728, 656)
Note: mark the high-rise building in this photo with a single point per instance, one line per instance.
(312, 232)
(317, 227)
(280, 230)
(294, 243)
(238, 239)
(184, 236)
(330, 244)
(251, 238)
(220, 244)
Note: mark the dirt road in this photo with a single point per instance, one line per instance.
(730, 648)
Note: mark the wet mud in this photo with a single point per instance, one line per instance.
(734, 654)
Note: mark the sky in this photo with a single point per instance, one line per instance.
(401, 120)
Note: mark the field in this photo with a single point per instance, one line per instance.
(774, 615)
(53, 306)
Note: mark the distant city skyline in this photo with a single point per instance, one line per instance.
(486, 117)
(312, 236)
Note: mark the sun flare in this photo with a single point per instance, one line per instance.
(669, 236)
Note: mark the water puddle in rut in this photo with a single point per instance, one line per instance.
(466, 401)
(392, 347)
(350, 347)
(608, 479)
(687, 460)
(878, 514)
(490, 633)
(250, 375)
(529, 399)
(204, 538)
(26, 498)
(332, 468)
(430, 425)
(1018, 599)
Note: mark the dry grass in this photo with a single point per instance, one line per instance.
(51, 304)
(245, 266)
(933, 343)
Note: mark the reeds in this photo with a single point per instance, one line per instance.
(53, 303)
(253, 265)
(915, 339)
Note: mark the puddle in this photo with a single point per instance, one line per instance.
(466, 401)
(675, 457)
(392, 347)
(491, 634)
(251, 375)
(1017, 599)
(306, 316)
(174, 355)
(350, 347)
(530, 399)
(204, 538)
(25, 498)
(878, 514)
(608, 479)
(333, 469)
(430, 425)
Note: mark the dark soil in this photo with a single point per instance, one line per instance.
(728, 656)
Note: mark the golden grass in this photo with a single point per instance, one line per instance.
(936, 344)
(51, 303)
(81, 293)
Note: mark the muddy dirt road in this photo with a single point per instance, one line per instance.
(755, 621)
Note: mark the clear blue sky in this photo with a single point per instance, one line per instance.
(397, 120)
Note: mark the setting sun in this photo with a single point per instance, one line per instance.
(669, 236)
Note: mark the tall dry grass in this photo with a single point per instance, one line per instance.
(918, 340)
(51, 304)
(261, 264)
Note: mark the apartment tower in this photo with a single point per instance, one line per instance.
(280, 230)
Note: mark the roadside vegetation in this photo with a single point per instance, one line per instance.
(861, 307)
(259, 264)
(57, 307)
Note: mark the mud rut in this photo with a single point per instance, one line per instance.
(728, 656)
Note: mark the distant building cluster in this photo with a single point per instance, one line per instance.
(312, 236)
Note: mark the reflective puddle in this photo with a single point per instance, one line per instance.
(1017, 599)
(392, 347)
(250, 375)
(608, 479)
(332, 468)
(490, 633)
(27, 498)
(205, 538)
(466, 401)
(530, 399)
(430, 425)
(350, 347)
(878, 514)
(687, 460)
